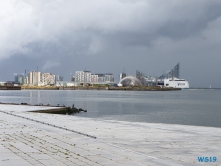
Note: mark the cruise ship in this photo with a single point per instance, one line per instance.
(175, 83)
(169, 79)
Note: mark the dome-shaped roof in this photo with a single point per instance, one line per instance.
(130, 81)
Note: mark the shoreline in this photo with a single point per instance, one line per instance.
(142, 88)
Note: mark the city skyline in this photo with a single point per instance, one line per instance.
(109, 36)
(73, 75)
(45, 78)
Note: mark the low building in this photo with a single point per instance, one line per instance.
(2, 83)
(67, 83)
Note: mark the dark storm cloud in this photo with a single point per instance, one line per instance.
(63, 36)
(189, 25)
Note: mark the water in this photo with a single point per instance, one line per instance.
(188, 107)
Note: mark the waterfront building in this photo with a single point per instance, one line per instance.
(140, 76)
(83, 76)
(109, 77)
(168, 79)
(174, 72)
(40, 79)
(34, 78)
(66, 83)
(26, 80)
(47, 79)
(20, 79)
(94, 78)
(87, 77)
(59, 78)
(101, 77)
(122, 75)
(130, 81)
(145, 79)
(2, 83)
(73, 79)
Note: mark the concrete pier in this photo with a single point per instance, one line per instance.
(29, 138)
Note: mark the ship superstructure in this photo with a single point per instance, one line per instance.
(176, 83)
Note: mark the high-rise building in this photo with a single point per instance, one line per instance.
(142, 77)
(34, 78)
(26, 80)
(47, 79)
(58, 78)
(122, 75)
(73, 79)
(37, 78)
(83, 76)
(20, 79)
(174, 72)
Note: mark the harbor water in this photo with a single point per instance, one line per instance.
(201, 107)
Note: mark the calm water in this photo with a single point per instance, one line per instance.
(189, 107)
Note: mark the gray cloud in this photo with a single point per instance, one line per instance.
(50, 64)
(106, 36)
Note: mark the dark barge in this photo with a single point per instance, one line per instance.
(10, 87)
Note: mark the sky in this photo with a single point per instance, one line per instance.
(112, 36)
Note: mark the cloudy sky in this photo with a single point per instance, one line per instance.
(64, 36)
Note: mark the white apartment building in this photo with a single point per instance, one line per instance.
(83, 76)
(94, 78)
(39, 79)
(87, 77)
(47, 79)
(34, 78)
(109, 77)
(101, 77)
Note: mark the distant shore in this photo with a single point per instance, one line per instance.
(10, 87)
(206, 88)
(141, 88)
